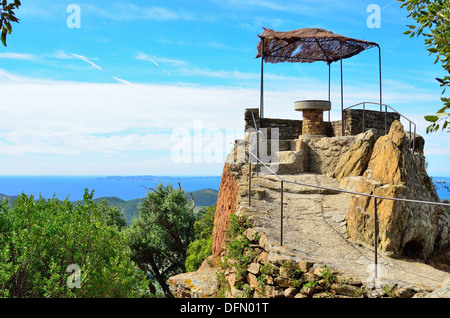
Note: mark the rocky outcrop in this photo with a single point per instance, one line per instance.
(405, 228)
(200, 284)
(320, 225)
(354, 162)
(226, 205)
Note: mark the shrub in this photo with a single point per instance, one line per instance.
(40, 238)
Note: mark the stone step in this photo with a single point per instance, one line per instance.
(283, 145)
(289, 162)
(264, 184)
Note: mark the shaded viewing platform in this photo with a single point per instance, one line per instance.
(310, 45)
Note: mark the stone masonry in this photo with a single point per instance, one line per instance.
(313, 122)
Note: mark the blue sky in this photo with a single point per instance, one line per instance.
(140, 81)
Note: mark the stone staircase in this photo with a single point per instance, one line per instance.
(291, 158)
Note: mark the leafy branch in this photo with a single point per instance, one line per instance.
(7, 15)
(433, 19)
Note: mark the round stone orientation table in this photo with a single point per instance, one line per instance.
(312, 104)
(312, 123)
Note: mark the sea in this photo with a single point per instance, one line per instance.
(442, 185)
(123, 187)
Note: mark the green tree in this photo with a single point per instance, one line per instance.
(433, 22)
(160, 236)
(40, 239)
(201, 247)
(112, 215)
(7, 15)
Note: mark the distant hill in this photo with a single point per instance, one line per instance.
(8, 197)
(205, 197)
(202, 198)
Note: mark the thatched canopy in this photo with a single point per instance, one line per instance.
(308, 45)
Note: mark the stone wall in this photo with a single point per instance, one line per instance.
(290, 129)
(325, 153)
(374, 120)
(274, 272)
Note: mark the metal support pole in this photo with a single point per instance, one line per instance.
(376, 237)
(385, 119)
(249, 182)
(281, 211)
(261, 98)
(329, 88)
(342, 92)
(363, 123)
(342, 89)
(410, 137)
(379, 67)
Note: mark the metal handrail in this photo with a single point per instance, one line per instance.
(385, 120)
(282, 180)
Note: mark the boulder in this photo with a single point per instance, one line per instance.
(200, 284)
(387, 162)
(354, 162)
(410, 229)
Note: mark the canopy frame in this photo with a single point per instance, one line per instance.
(296, 46)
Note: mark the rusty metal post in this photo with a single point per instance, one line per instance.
(261, 97)
(249, 182)
(376, 237)
(281, 211)
(363, 123)
(379, 68)
(342, 93)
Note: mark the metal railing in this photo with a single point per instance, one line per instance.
(282, 181)
(385, 120)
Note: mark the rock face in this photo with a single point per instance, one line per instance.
(226, 205)
(354, 162)
(405, 228)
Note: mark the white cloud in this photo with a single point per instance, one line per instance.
(17, 56)
(135, 121)
(132, 12)
(85, 59)
(120, 80)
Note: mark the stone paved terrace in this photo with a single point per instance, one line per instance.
(314, 229)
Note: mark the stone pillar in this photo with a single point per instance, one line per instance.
(313, 124)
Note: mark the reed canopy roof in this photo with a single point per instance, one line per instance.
(308, 45)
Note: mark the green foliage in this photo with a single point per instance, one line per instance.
(433, 19)
(7, 15)
(40, 238)
(203, 198)
(201, 247)
(159, 238)
(238, 247)
(328, 275)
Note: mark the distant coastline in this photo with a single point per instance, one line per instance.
(125, 187)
